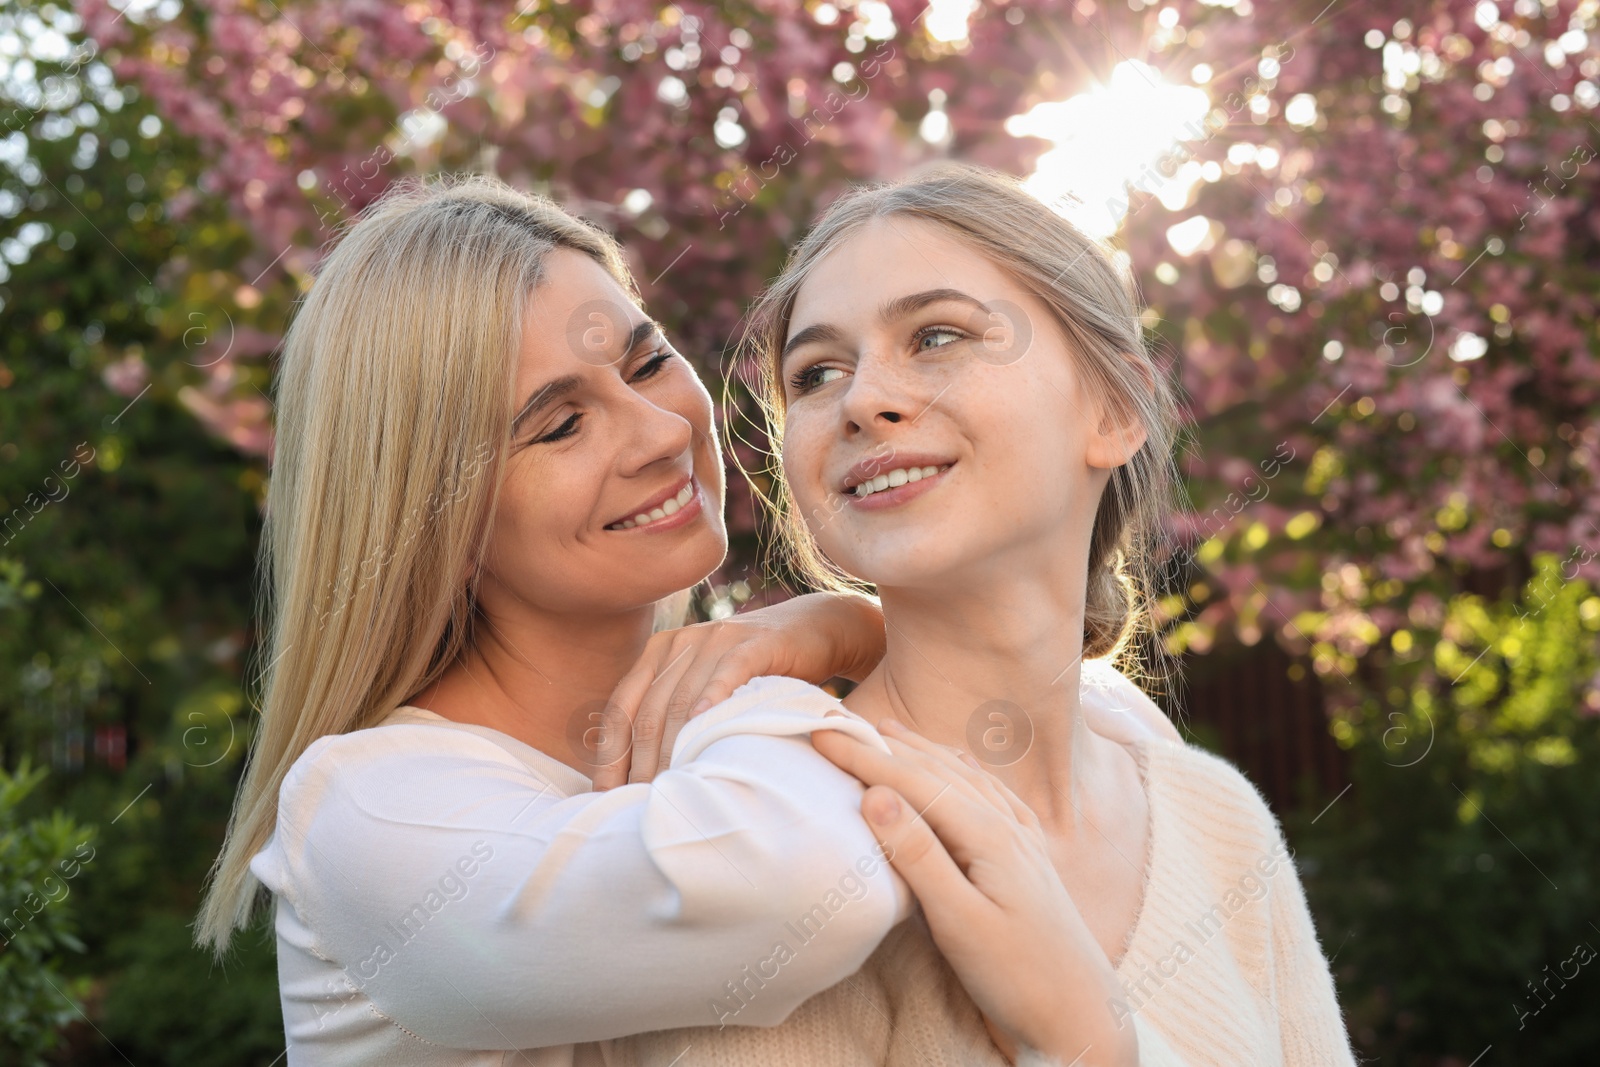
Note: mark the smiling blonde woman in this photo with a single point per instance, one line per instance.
(473, 527)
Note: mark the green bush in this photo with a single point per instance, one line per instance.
(39, 859)
(169, 1003)
(1456, 885)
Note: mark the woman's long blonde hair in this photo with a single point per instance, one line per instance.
(393, 413)
(1095, 306)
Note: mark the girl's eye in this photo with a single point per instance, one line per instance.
(812, 377)
(922, 336)
(565, 430)
(652, 366)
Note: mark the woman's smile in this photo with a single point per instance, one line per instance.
(680, 505)
(907, 480)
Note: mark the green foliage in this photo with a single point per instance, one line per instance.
(1461, 867)
(39, 859)
(171, 1004)
(126, 582)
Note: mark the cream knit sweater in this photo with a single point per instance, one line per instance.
(1222, 967)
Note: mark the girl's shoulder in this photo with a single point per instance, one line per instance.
(1117, 707)
(1213, 802)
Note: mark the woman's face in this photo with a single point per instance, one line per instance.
(916, 363)
(613, 488)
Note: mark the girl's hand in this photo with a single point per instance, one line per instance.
(976, 858)
(685, 671)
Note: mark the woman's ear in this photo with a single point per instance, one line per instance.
(1121, 432)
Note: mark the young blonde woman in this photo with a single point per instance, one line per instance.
(970, 421)
(491, 474)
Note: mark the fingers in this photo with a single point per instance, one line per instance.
(964, 819)
(609, 744)
(650, 724)
(709, 679)
(916, 851)
(615, 748)
(970, 770)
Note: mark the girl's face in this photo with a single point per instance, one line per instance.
(914, 363)
(613, 488)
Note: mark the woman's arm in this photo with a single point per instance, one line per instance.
(685, 671)
(479, 907)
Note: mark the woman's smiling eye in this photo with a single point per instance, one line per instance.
(568, 427)
(652, 366)
(810, 378)
(922, 336)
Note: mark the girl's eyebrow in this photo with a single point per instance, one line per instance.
(554, 390)
(897, 308)
(818, 332)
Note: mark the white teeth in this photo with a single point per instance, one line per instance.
(672, 506)
(895, 478)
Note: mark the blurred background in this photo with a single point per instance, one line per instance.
(1368, 240)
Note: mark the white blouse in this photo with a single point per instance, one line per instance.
(443, 887)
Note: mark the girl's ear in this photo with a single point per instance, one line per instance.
(1121, 432)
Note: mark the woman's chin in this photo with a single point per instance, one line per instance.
(686, 567)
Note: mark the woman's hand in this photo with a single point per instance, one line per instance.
(976, 857)
(685, 671)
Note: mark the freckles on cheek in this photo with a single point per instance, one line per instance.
(801, 463)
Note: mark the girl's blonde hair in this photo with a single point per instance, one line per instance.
(1094, 303)
(393, 413)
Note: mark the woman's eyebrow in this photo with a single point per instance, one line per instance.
(819, 332)
(889, 311)
(554, 390)
(901, 306)
(544, 396)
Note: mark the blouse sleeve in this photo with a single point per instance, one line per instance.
(479, 907)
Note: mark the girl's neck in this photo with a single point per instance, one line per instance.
(994, 673)
(541, 678)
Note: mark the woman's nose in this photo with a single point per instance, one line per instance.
(654, 433)
(878, 393)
